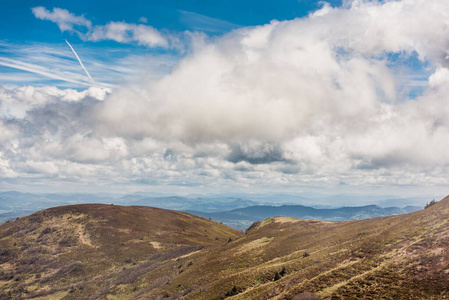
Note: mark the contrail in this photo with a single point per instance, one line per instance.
(81, 63)
(12, 63)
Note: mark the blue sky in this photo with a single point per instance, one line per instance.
(225, 96)
(160, 14)
(175, 17)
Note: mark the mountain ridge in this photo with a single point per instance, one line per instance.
(220, 208)
(241, 218)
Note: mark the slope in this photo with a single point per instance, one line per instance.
(74, 250)
(397, 257)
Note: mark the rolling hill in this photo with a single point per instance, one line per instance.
(114, 252)
(82, 247)
(241, 218)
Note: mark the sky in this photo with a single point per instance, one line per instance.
(194, 96)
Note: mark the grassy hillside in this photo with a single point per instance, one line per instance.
(398, 257)
(80, 250)
(107, 252)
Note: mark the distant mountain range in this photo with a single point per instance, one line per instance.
(242, 218)
(186, 203)
(16, 204)
(233, 211)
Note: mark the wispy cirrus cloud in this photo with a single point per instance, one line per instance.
(199, 22)
(55, 64)
(15, 64)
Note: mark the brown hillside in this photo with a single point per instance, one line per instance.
(398, 257)
(81, 250)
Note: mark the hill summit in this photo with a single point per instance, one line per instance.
(82, 250)
(105, 252)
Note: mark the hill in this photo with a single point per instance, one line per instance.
(396, 257)
(81, 247)
(241, 218)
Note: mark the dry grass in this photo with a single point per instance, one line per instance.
(256, 244)
(129, 253)
(75, 250)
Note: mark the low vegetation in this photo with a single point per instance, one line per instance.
(431, 203)
(84, 250)
(115, 252)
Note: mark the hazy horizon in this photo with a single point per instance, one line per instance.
(316, 200)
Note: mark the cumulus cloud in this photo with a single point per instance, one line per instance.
(16, 102)
(47, 133)
(272, 82)
(7, 131)
(311, 100)
(120, 32)
(322, 88)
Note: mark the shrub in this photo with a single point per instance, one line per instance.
(431, 203)
(279, 275)
(6, 275)
(46, 231)
(7, 252)
(7, 255)
(128, 260)
(283, 271)
(66, 242)
(234, 291)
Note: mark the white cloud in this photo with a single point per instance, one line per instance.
(16, 102)
(15, 64)
(120, 32)
(309, 101)
(7, 131)
(65, 20)
(42, 64)
(322, 87)
(94, 150)
(198, 22)
(439, 78)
